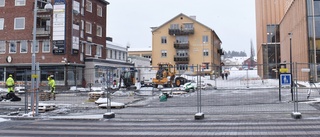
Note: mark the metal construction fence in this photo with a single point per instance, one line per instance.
(241, 92)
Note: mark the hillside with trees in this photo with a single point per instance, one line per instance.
(230, 54)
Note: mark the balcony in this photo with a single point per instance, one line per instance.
(43, 32)
(181, 31)
(42, 6)
(181, 45)
(181, 59)
(39, 11)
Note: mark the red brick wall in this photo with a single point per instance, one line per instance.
(10, 11)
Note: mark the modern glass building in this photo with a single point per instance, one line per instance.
(288, 31)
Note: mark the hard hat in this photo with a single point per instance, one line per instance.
(51, 76)
(10, 75)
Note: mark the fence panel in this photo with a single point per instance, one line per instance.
(244, 92)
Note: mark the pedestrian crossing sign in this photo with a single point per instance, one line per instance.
(285, 79)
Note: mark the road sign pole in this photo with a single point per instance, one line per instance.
(280, 86)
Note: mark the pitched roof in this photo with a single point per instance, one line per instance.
(181, 14)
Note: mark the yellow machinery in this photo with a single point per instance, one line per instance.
(127, 80)
(164, 71)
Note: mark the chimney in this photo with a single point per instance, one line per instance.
(193, 17)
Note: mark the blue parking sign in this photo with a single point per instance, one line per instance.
(285, 79)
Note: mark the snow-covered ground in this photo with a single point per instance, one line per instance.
(240, 79)
(2, 120)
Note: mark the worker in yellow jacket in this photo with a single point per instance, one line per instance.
(10, 84)
(52, 86)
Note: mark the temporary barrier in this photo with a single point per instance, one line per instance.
(242, 92)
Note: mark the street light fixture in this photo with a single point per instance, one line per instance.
(48, 6)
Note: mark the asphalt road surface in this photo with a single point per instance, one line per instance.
(199, 128)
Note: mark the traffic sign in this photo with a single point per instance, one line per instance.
(285, 79)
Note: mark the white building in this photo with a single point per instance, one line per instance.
(143, 67)
(110, 68)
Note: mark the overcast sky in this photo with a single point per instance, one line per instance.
(129, 21)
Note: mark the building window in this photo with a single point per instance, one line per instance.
(99, 11)
(147, 56)
(2, 3)
(82, 29)
(19, 23)
(99, 51)
(99, 31)
(88, 49)
(108, 53)
(23, 46)
(13, 47)
(119, 55)
(174, 26)
(20, 3)
(89, 6)
(82, 52)
(182, 39)
(182, 53)
(46, 46)
(1, 23)
(188, 26)
(82, 7)
(205, 39)
(271, 33)
(205, 52)
(124, 56)
(205, 65)
(182, 66)
(163, 40)
(37, 47)
(2, 47)
(113, 54)
(88, 27)
(163, 53)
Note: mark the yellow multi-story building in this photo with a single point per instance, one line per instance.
(185, 42)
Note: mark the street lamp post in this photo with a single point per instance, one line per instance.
(48, 6)
(314, 44)
(290, 34)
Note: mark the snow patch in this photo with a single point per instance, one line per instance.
(2, 120)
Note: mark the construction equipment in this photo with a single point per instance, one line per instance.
(166, 76)
(127, 80)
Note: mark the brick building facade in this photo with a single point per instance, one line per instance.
(67, 36)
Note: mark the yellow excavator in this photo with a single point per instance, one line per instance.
(166, 76)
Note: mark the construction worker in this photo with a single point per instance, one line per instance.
(52, 86)
(10, 84)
